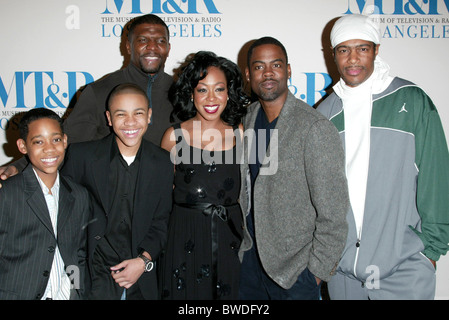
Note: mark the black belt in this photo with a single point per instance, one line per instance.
(209, 209)
(212, 210)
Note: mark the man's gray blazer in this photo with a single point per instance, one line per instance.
(300, 195)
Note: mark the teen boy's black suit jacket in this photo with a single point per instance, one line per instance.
(88, 164)
(27, 239)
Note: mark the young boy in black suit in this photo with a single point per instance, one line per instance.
(43, 218)
(130, 181)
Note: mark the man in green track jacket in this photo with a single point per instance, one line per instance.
(397, 165)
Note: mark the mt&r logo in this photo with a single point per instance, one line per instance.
(186, 19)
(425, 19)
(398, 7)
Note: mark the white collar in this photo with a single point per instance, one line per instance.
(45, 189)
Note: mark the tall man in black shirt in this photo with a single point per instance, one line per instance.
(130, 182)
(148, 45)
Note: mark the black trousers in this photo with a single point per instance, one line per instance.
(255, 284)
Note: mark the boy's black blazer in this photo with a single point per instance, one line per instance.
(27, 239)
(88, 164)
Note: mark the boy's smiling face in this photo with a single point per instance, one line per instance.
(129, 116)
(45, 146)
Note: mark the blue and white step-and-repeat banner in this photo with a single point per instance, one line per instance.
(51, 49)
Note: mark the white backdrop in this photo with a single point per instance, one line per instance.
(52, 48)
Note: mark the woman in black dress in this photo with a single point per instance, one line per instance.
(200, 260)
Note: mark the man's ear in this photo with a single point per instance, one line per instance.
(150, 112)
(108, 116)
(376, 51)
(128, 47)
(21, 145)
(65, 140)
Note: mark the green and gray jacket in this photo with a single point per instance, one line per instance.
(407, 197)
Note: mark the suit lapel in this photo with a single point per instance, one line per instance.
(251, 116)
(35, 198)
(66, 203)
(146, 182)
(100, 172)
(285, 118)
(248, 124)
(282, 125)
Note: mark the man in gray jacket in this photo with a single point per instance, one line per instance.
(294, 191)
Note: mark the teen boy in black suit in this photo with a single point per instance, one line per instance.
(130, 181)
(43, 216)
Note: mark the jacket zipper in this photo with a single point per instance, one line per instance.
(357, 244)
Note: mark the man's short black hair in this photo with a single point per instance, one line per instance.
(262, 41)
(36, 114)
(147, 18)
(127, 88)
